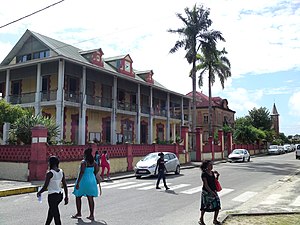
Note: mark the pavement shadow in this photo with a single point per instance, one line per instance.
(81, 222)
(171, 192)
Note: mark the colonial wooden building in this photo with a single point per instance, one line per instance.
(90, 97)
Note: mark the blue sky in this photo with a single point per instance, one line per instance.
(262, 40)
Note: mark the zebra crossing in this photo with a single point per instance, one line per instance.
(188, 189)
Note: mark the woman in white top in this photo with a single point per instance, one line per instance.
(54, 177)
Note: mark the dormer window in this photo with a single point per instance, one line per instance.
(35, 55)
(127, 66)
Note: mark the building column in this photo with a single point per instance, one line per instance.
(182, 112)
(138, 116)
(37, 103)
(221, 141)
(60, 99)
(82, 109)
(6, 126)
(168, 117)
(113, 131)
(174, 132)
(150, 127)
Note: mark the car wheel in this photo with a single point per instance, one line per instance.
(138, 177)
(249, 158)
(243, 159)
(177, 171)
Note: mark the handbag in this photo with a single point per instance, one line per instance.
(218, 185)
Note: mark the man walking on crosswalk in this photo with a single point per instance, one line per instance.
(161, 171)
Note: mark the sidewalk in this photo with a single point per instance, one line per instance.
(9, 187)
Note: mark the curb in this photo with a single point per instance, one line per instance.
(34, 188)
(17, 191)
(231, 215)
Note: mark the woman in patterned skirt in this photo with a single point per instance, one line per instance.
(210, 201)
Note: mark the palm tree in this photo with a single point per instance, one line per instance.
(193, 33)
(214, 62)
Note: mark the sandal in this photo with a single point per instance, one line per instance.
(91, 218)
(76, 216)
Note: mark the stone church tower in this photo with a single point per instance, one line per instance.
(275, 119)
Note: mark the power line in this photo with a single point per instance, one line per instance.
(32, 13)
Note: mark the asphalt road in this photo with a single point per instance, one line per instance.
(137, 202)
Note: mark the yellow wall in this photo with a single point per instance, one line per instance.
(53, 82)
(68, 113)
(155, 122)
(29, 85)
(51, 111)
(14, 171)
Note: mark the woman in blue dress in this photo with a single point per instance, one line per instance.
(86, 183)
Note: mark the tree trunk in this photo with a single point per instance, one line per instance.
(194, 117)
(210, 131)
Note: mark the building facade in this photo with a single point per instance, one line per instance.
(91, 98)
(221, 113)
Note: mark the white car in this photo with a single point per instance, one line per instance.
(275, 149)
(239, 155)
(297, 151)
(287, 148)
(146, 166)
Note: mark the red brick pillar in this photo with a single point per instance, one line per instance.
(184, 136)
(229, 142)
(129, 157)
(38, 158)
(221, 141)
(211, 147)
(199, 144)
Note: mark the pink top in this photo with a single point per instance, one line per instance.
(104, 159)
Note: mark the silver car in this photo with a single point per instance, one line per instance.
(239, 155)
(146, 166)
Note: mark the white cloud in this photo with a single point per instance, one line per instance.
(294, 106)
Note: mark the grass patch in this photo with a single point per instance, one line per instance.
(278, 219)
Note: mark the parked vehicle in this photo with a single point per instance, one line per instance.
(146, 166)
(239, 155)
(293, 147)
(287, 148)
(297, 151)
(275, 149)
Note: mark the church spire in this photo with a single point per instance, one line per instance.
(274, 111)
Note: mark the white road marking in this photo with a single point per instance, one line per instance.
(225, 191)
(135, 185)
(192, 190)
(118, 185)
(150, 187)
(271, 199)
(178, 186)
(245, 196)
(296, 202)
(109, 183)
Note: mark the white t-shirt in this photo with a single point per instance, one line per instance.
(54, 184)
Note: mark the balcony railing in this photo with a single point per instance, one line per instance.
(127, 106)
(48, 95)
(99, 101)
(160, 111)
(72, 96)
(145, 109)
(22, 98)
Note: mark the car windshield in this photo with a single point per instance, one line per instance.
(273, 146)
(239, 151)
(150, 156)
